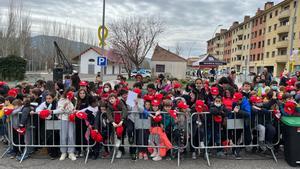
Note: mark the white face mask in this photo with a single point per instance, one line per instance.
(293, 93)
(106, 89)
(168, 82)
(218, 104)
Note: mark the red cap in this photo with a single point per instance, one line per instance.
(237, 96)
(214, 91)
(70, 95)
(255, 99)
(182, 105)
(159, 96)
(289, 88)
(157, 119)
(2, 83)
(83, 83)
(279, 96)
(199, 106)
(21, 131)
(8, 111)
(148, 97)
(291, 81)
(72, 117)
(155, 103)
(81, 115)
(290, 107)
(44, 114)
(137, 91)
(177, 85)
(13, 92)
(173, 114)
(96, 136)
(119, 131)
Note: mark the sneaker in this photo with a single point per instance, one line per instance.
(133, 157)
(154, 154)
(141, 156)
(72, 156)
(118, 142)
(157, 158)
(202, 144)
(237, 155)
(105, 154)
(119, 154)
(145, 156)
(20, 157)
(63, 156)
(194, 156)
(220, 154)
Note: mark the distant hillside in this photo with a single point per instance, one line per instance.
(44, 45)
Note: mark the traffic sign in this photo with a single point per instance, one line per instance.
(102, 61)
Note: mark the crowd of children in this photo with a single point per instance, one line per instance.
(161, 118)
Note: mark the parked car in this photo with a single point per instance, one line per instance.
(145, 73)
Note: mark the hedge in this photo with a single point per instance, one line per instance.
(12, 68)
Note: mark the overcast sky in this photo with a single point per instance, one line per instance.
(190, 23)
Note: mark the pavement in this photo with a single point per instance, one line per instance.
(248, 162)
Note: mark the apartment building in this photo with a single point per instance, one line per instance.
(261, 41)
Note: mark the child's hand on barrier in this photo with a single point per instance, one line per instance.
(120, 124)
(236, 110)
(114, 124)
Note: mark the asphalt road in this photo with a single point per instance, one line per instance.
(248, 162)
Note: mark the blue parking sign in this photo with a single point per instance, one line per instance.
(102, 61)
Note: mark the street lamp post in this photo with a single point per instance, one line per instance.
(102, 39)
(292, 36)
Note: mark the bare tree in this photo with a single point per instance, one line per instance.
(133, 37)
(178, 49)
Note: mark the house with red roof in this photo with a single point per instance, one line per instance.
(87, 61)
(165, 62)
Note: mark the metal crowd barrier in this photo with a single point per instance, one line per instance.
(177, 134)
(232, 131)
(42, 133)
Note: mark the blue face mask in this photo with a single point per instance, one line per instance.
(274, 87)
(260, 85)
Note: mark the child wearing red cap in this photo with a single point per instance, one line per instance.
(241, 110)
(65, 107)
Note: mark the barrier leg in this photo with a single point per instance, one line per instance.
(114, 154)
(23, 155)
(5, 152)
(178, 159)
(87, 155)
(273, 154)
(207, 157)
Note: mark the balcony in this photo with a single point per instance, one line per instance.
(238, 52)
(282, 44)
(284, 14)
(239, 42)
(283, 29)
(281, 58)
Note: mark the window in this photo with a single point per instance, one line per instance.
(263, 43)
(258, 56)
(273, 54)
(275, 27)
(262, 56)
(274, 40)
(253, 57)
(270, 28)
(276, 12)
(91, 60)
(270, 15)
(260, 20)
(268, 54)
(160, 68)
(269, 42)
(259, 44)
